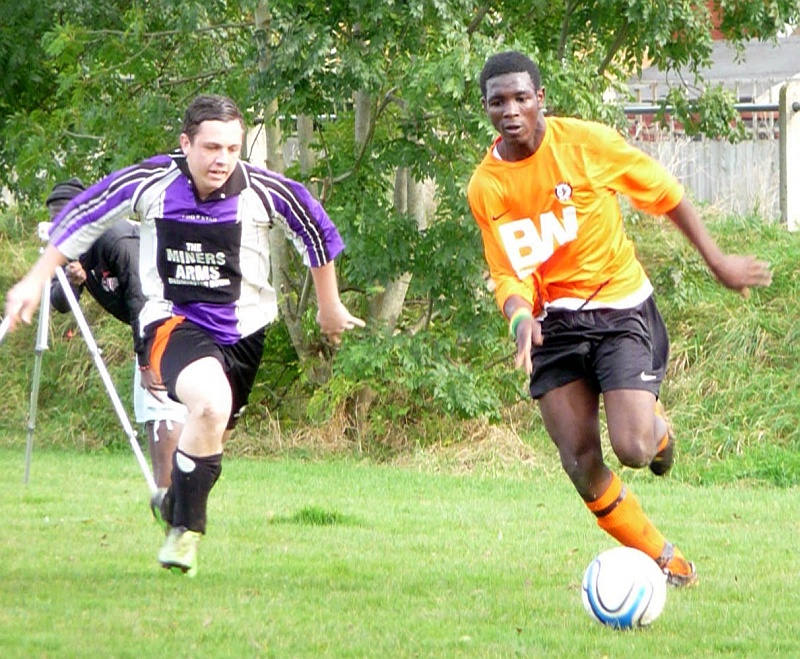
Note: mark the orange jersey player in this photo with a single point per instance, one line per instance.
(580, 305)
(551, 224)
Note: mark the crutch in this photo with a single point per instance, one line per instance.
(4, 326)
(41, 346)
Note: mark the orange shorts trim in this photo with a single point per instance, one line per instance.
(160, 341)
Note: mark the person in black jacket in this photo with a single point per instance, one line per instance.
(109, 271)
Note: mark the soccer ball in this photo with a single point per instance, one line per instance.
(624, 588)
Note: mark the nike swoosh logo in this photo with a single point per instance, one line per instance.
(647, 377)
(497, 217)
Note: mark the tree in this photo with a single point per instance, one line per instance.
(383, 97)
(112, 78)
(401, 80)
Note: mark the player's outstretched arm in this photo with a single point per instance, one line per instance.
(333, 317)
(24, 296)
(736, 272)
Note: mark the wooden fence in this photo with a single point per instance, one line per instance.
(739, 178)
(760, 175)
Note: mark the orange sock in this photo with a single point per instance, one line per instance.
(662, 415)
(619, 514)
(663, 442)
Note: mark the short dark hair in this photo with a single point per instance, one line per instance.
(209, 107)
(510, 61)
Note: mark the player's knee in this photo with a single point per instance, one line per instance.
(211, 413)
(635, 452)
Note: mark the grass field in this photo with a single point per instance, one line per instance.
(345, 558)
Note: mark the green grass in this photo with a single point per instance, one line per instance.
(345, 558)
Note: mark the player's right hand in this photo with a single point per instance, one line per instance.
(23, 298)
(529, 334)
(21, 302)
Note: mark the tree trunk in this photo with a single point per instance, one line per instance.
(409, 197)
(278, 242)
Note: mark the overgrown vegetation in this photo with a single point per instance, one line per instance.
(89, 87)
(449, 392)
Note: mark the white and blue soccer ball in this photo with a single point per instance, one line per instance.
(624, 588)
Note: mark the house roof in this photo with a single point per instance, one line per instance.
(755, 76)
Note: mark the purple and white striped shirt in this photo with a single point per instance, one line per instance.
(207, 260)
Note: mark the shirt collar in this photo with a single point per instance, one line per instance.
(236, 182)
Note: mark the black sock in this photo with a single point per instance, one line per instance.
(192, 480)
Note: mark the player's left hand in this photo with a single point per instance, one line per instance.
(156, 388)
(739, 273)
(75, 273)
(335, 319)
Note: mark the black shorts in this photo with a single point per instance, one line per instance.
(175, 343)
(608, 348)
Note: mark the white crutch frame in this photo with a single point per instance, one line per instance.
(41, 346)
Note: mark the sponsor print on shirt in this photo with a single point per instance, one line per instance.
(528, 247)
(199, 262)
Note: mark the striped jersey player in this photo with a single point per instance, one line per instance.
(205, 271)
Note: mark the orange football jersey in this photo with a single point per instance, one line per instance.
(551, 224)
